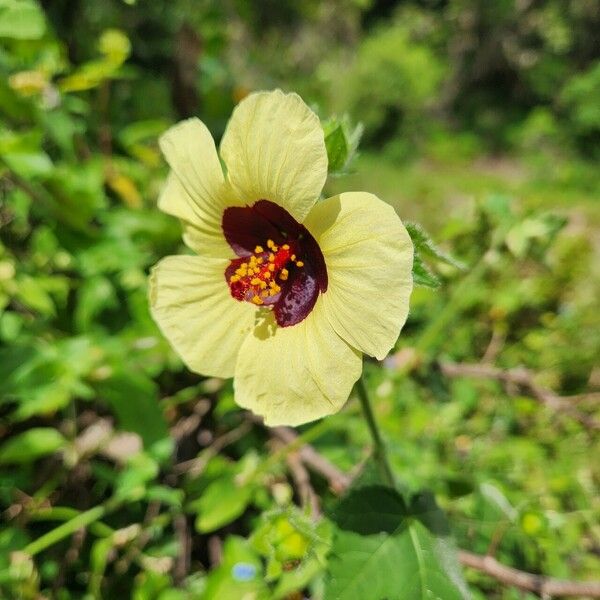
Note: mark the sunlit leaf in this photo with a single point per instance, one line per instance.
(31, 445)
(21, 19)
(385, 548)
(223, 501)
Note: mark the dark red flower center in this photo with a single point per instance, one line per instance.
(279, 264)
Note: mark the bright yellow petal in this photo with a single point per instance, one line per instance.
(202, 231)
(369, 256)
(190, 301)
(293, 375)
(274, 150)
(196, 190)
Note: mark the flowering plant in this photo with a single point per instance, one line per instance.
(285, 291)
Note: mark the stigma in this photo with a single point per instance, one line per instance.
(259, 278)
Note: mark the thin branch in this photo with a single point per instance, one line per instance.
(197, 465)
(338, 481)
(522, 378)
(495, 345)
(544, 586)
(308, 496)
(215, 551)
(136, 548)
(181, 566)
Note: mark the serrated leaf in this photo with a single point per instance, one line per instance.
(422, 275)
(425, 246)
(385, 548)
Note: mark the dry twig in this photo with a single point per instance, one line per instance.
(524, 379)
(338, 481)
(197, 465)
(181, 565)
(546, 587)
(302, 480)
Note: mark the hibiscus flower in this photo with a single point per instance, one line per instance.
(285, 291)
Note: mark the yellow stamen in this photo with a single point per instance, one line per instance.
(271, 258)
(271, 267)
(293, 257)
(255, 281)
(270, 243)
(257, 300)
(286, 246)
(267, 275)
(258, 249)
(299, 264)
(234, 278)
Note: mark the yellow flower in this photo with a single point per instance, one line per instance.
(285, 293)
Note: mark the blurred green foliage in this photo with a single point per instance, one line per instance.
(123, 475)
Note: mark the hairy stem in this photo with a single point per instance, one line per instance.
(379, 449)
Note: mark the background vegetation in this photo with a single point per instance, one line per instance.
(124, 475)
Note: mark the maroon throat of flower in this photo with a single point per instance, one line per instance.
(279, 266)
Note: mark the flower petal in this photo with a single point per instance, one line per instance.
(297, 298)
(191, 302)
(246, 227)
(274, 149)
(196, 190)
(369, 255)
(200, 230)
(293, 375)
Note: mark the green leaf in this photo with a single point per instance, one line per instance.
(341, 142)
(239, 575)
(385, 548)
(425, 246)
(31, 445)
(222, 502)
(115, 46)
(422, 275)
(131, 483)
(134, 399)
(337, 148)
(21, 20)
(95, 295)
(33, 294)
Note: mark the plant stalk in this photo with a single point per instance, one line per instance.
(69, 527)
(379, 449)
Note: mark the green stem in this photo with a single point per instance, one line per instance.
(379, 449)
(68, 528)
(66, 513)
